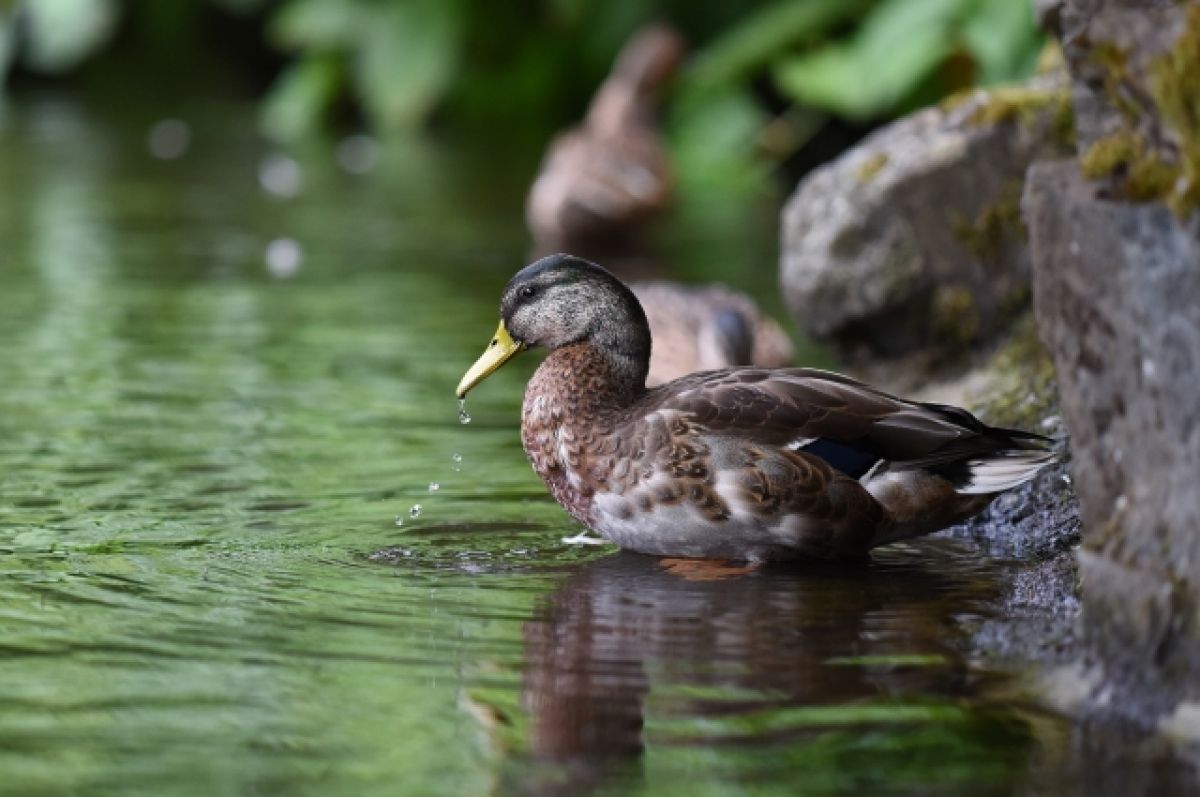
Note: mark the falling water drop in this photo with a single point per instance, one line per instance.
(434, 487)
(415, 512)
(463, 416)
(399, 520)
(457, 466)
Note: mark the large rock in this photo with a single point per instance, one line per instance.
(1117, 297)
(913, 238)
(1116, 263)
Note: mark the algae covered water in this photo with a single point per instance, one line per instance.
(246, 547)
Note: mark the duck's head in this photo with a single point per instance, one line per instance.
(561, 300)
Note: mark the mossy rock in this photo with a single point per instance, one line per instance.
(1139, 172)
(995, 225)
(1028, 105)
(1148, 148)
(1173, 81)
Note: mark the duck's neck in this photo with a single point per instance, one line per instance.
(586, 382)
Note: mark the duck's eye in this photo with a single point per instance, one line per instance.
(528, 292)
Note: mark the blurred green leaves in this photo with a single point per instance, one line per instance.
(302, 95)
(398, 59)
(59, 34)
(750, 46)
(400, 62)
(882, 66)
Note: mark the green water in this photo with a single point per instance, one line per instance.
(200, 463)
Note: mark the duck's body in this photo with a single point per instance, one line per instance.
(746, 463)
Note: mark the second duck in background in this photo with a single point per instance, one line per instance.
(703, 328)
(608, 176)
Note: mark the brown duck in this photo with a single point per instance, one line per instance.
(743, 463)
(610, 174)
(703, 327)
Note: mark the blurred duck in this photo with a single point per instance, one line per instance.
(609, 175)
(741, 463)
(706, 327)
(601, 181)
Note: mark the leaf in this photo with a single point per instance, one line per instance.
(1003, 38)
(753, 43)
(61, 33)
(298, 102)
(407, 60)
(713, 136)
(897, 48)
(320, 24)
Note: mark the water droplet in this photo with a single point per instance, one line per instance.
(169, 139)
(457, 466)
(457, 458)
(280, 176)
(434, 487)
(284, 256)
(399, 520)
(463, 416)
(415, 512)
(358, 153)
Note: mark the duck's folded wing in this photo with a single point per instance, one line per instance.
(833, 416)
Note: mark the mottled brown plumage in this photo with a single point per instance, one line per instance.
(745, 463)
(610, 174)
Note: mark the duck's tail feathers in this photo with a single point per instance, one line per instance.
(1003, 470)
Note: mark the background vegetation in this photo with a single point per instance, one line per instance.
(769, 77)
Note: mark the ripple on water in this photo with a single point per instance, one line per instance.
(277, 505)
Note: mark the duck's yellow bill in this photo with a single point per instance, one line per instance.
(502, 349)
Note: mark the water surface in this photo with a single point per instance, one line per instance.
(210, 578)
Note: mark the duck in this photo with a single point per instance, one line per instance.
(608, 176)
(747, 463)
(706, 327)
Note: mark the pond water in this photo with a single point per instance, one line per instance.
(212, 580)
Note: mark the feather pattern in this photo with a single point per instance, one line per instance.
(745, 463)
(706, 465)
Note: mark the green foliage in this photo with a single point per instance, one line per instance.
(401, 62)
(399, 58)
(882, 66)
(300, 97)
(713, 138)
(749, 47)
(61, 33)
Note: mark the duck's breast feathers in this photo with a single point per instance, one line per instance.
(797, 408)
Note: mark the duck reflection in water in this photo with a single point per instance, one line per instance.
(713, 641)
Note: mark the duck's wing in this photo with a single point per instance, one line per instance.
(851, 425)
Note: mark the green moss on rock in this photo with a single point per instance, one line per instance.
(1140, 172)
(1027, 105)
(1173, 83)
(955, 317)
(870, 167)
(1024, 390)
(1167, 171)
(995, 226)
(1113, 62)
